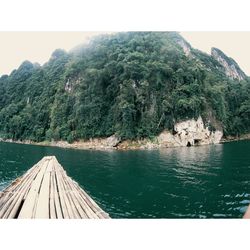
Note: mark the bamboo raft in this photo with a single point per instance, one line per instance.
(46, 192)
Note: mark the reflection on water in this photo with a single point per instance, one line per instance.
(189, 182)
(189, 156)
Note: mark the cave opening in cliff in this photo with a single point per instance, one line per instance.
(196, 142)
(174, 132)
(189, 144)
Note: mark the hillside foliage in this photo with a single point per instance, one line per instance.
(133, 84)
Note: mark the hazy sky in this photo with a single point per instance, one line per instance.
(15, 47)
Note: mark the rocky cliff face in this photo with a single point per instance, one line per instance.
(71, 83)
(185, 46)
(231, 68)
(189, 133)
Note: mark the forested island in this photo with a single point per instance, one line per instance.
(127, 87)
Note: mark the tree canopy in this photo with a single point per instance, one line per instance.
(133, 84)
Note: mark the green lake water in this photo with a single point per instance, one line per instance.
(191, 182)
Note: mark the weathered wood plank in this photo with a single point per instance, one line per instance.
(85, 212)
(86, 198)
(90, 202)
(52, 208)
(61, 195)
(17, 202)
(42, 207)
(77, 201)
(57, 202)
(70, 200)
(77, 209)
(15, 186)
(87, 209)
(28, 209)
(10, 207)
(91, 209)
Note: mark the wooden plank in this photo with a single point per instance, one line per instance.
(72, 207)
(57, 202)
(15, 186)
(30, 200)
(78, 203)
(86, 211)
(87, 199)
(90, 202)
(12, 204)
(29, 205)
(73, 203)
(89, 206)
(9, 192)
(77, 200)
(76, 208)
(93, 210)
(61, 195)
(17, 202)
(42, 207)
(52, 208)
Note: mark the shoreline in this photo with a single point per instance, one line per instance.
(97, 144)
(235, 138)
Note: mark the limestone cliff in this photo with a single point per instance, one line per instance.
(231, 68)
(189, 133)
(185, 46)
(71, 83)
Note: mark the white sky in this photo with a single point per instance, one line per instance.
(234, 44)
(16, 47)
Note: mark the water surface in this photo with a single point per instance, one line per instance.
(191, 182)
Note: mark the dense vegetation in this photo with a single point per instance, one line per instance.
(132, 84)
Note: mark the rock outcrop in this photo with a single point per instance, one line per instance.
(71, 83)
(113, 141)
(189, 133)
(185, 46)
(231, 68)
(186, 133)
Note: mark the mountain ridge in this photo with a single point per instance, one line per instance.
(231, 67)
(132, 84)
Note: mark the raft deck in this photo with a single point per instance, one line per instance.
(46, 192)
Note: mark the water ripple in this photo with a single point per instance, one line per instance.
(196, 182)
